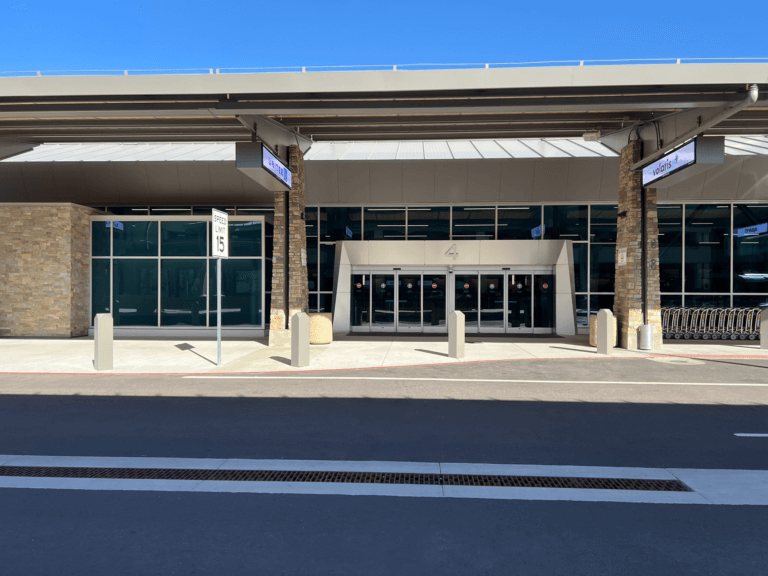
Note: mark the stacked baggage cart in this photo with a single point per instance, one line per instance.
(711, 323)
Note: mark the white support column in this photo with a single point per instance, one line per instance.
(456, 334)
(103, 342)
(605, 337)
(300, 340)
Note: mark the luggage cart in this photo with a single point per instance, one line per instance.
(740, 330)
(674, 320)
(666, 314)
(730, 324)
(684, 324)
(708, 323)
(721, 321)
(698, 323)
(753, 323)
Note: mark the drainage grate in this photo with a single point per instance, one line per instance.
(346, 477)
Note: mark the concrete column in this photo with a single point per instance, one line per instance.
(102, 342)
(628, 302)
(290, 294)
(456, 334)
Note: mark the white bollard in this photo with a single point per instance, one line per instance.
(605, 335)
(764, 329)
(102, 341)
(300, 340)
(456, 334)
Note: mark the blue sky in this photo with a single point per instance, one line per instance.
(43, 35)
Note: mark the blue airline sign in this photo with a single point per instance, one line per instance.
(672, 162)
(272, 165)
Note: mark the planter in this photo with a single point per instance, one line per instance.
(320, 328)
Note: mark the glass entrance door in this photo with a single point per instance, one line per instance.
(435, 300)
(383, 302)
(408, 302)
(544, 302)
(492, 302)
(519, 303)
(466, 299)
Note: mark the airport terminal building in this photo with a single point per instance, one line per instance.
(413, 194)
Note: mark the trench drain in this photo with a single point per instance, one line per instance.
(346, 478)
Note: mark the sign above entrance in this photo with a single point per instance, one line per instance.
(279, 170)
(671, 163)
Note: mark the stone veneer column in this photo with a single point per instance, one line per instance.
(296, 237)
(45, 269)
(628, 301)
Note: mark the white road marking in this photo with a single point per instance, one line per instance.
(486, 380)
(713, 487)
(747, 435)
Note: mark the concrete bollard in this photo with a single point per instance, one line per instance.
(456, 334)
(102, 342)
(300, 340)
(605, 332)
(764, 329)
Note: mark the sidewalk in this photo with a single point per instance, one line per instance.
(190, 356)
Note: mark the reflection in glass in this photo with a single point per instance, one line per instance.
(670, 247)
(581, 272)
(409, 301)
(518, 222)
(604, 223)
(599, 302)
(340, 224)
(384, 224)
(327, 259)
(519, 301)
(751, 301)
(100, 288)
(603, 267)
(269, 225)
(182, 293)
(565, 222)
(244, 238)
(466, 298)
(491, 301)
(474, 223)
(184, 238)
(325, 303)
(750, 250)
(707, 301)
(707, 248)
(100, 238)
(134, 292)
(312, 306)
(383, 295)
(312, 280)
(434, 300)
(135, 238)
(671, 300)
(361, 290)
(240, 293)
(582, 312)
(433, 223)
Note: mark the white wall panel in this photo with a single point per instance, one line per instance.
(450, 181)
(354, 180)
(483, 180)
(516, 183)
(551, 180)
(419, 181)
(386, 181)
(585, 176)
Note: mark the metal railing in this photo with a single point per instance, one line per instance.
(380, 67)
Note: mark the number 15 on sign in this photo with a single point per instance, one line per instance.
(219, 250)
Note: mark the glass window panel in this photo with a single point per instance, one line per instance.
(435, 292)
(134, 292)
(269, 224)
(327, 259)
(707, 301)
(267, 275)
(750, 250)
(707, 248)
(340, 224)
(100, 238)
(325, 303)
(267, 304)
(171, 211)
(311, 225)
(184, 238)
(671, 300)
(465, 295)
(128, 210)
(580, 252)
(312, 304)
(751, 301)
(604, 223)
(603, 267)
(474, 223)
(384, 224)
(206, 210)
(182, 293)
(99, 287)
(244, 238)
(361, 305)
(240, 293)
(566, 222)
(312, 278)
(582, 312)
(599, 302)
(135, 238)
(433, 223)
(518, 222)
(544, 301)
(670, 247)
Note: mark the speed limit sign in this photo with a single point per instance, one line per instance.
(220, 236)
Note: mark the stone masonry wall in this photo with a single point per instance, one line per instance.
(277, 312)
(628, 300)
(44, 270)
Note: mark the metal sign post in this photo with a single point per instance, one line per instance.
(219, 250)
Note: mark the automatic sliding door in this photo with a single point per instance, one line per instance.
(519, 303)
(544, 302)
(360, 310)
(492, 302)
(383, 302)
(435, 298)
(409, 302)
(466, 299)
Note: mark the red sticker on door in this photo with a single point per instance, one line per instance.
(434, 285)
(466, 286)
(359, 285)
(545, 285)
